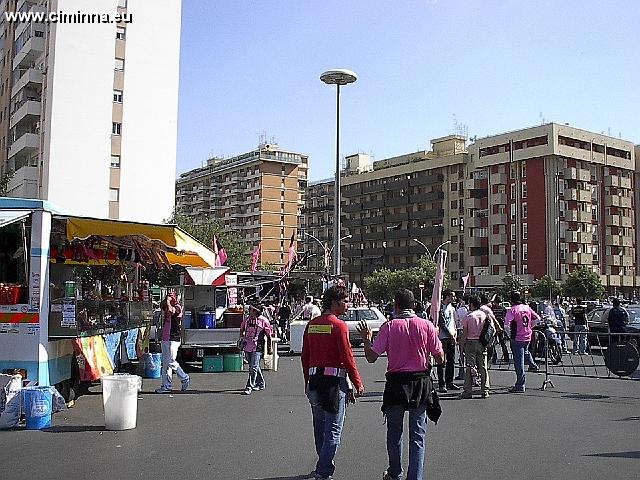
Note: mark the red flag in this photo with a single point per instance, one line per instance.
(292, 256)
(438, 283)
(465, 280)
(255, 256)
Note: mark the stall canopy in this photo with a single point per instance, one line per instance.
(208, 276)
(8, 217)
(190, 252)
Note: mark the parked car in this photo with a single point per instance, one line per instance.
(597, 321)
(373, 317)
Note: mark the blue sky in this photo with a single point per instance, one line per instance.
(249, 68)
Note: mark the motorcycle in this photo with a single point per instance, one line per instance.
(546, 330)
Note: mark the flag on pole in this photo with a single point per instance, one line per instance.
(465, 281)
(327, 257)
(255, 257)
(219, 252)
(291, 257)
(438, 283)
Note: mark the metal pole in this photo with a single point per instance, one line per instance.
(336, 234)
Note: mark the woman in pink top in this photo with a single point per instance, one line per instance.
(475, 353)
(253, 331)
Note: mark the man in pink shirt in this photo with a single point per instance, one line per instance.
(408, 341)
(475, 353)
(518, 323)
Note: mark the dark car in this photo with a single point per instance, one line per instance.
(597, 321)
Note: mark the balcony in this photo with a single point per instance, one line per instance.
(396, 233)
(611, 201)
(627, 281)
(612, 240)
(396, 201)
(498, 219)
(627, 261)
(498, 260)
(473, 203)
(498, 179)
(578, 216)
(578, 195)
(395, 218)
(29, 110)
(476, 222)
(427, 231)
(26, 144)
(625, 202)
(614, 280)
(476, 242)
(498, 238)
(352, 207)
(612, 220)
(373, 220)
(30, 51)
(427, 197)
(24, 183)
(572, 258)
(351, 190)
(627, 241)
(426, 180)
(498, 199)
(611, 181)
(614, 260)
(397, 250)
(573, 173)
(423, 214)
(625, 183)
(30, 78)
(376, 187)
(626, 221)
(475, 184)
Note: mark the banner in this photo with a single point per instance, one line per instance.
(438, 282)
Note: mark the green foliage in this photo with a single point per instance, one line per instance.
(4, 183)
(382, 284)
(239, 257)
(545, 285)
(584, 283)
(511, 282)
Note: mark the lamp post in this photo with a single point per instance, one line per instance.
(326, 250)
(338, 78)
(423, 245)
(439, 247)
(421, 289)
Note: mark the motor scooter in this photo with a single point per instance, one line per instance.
(546, 333)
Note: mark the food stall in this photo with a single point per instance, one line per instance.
(72, 288)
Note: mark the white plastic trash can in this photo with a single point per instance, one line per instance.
(296, 333)
(120, 399)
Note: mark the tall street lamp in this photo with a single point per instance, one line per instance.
(325, 249)
(338, 78)
(439, 247)
(423, 245)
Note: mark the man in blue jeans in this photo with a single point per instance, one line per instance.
(408, 341)
(327, 363)
(518, 324)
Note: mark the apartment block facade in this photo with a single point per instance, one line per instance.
(537, 201)
(92, 126)
(258, 194)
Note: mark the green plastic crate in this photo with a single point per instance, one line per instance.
(232, 362)
(214, 363)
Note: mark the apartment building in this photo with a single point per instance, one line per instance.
(549, 199)
(258, 194)
(92, 125)
(385, 207)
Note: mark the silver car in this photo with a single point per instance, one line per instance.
(352, 317)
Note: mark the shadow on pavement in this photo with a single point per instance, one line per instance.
(628, 419)
(297, 477)
(74, 428)
(233, 391)
(632, 454)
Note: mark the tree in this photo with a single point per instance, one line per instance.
(511, 283)
(239, 257)
(4, 183)
(584, 283)
(544, 286)
(382, 284)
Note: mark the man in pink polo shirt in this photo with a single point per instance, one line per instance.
(408, 341)
(475, 353)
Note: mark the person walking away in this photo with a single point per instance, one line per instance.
(487, 308)
(617, 319)
(447, 335)
(561, 322)
(310, 310)
(579, 319)
(254, 330)
(408, 341)
(461, 312)
(518, 323)
(499, 311)
(475, 352)
(420, 311)
(329, 368)
(284, 314)
(171, 336)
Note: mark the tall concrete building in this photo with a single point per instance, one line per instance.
(89, 109)
(536, 201)
(258, 194)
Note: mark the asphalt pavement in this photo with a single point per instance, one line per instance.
(581, 429)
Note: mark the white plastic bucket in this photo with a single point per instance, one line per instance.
(296, 333)
(120, 399)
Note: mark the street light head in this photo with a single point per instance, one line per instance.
(339, 76)
(349, 236)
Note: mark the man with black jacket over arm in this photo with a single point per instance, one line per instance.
(408, 341)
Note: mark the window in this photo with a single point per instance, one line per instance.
(122, 3)
(524, 252)
(119, 63)
(524, 189)
(523, 169)
(115, 161)
(120, 33)
(513, 191)
(454, 222)
(513, 231)
(524, 210)
(513, 211)
(513, 253)
(117, 96)
(454, 187)
(525, 231)
(114, 195)
(454, 204)
(116, 128)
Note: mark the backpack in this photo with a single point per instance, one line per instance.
(488, 333)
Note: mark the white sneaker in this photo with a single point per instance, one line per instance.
(247, 391)
(163, 389)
